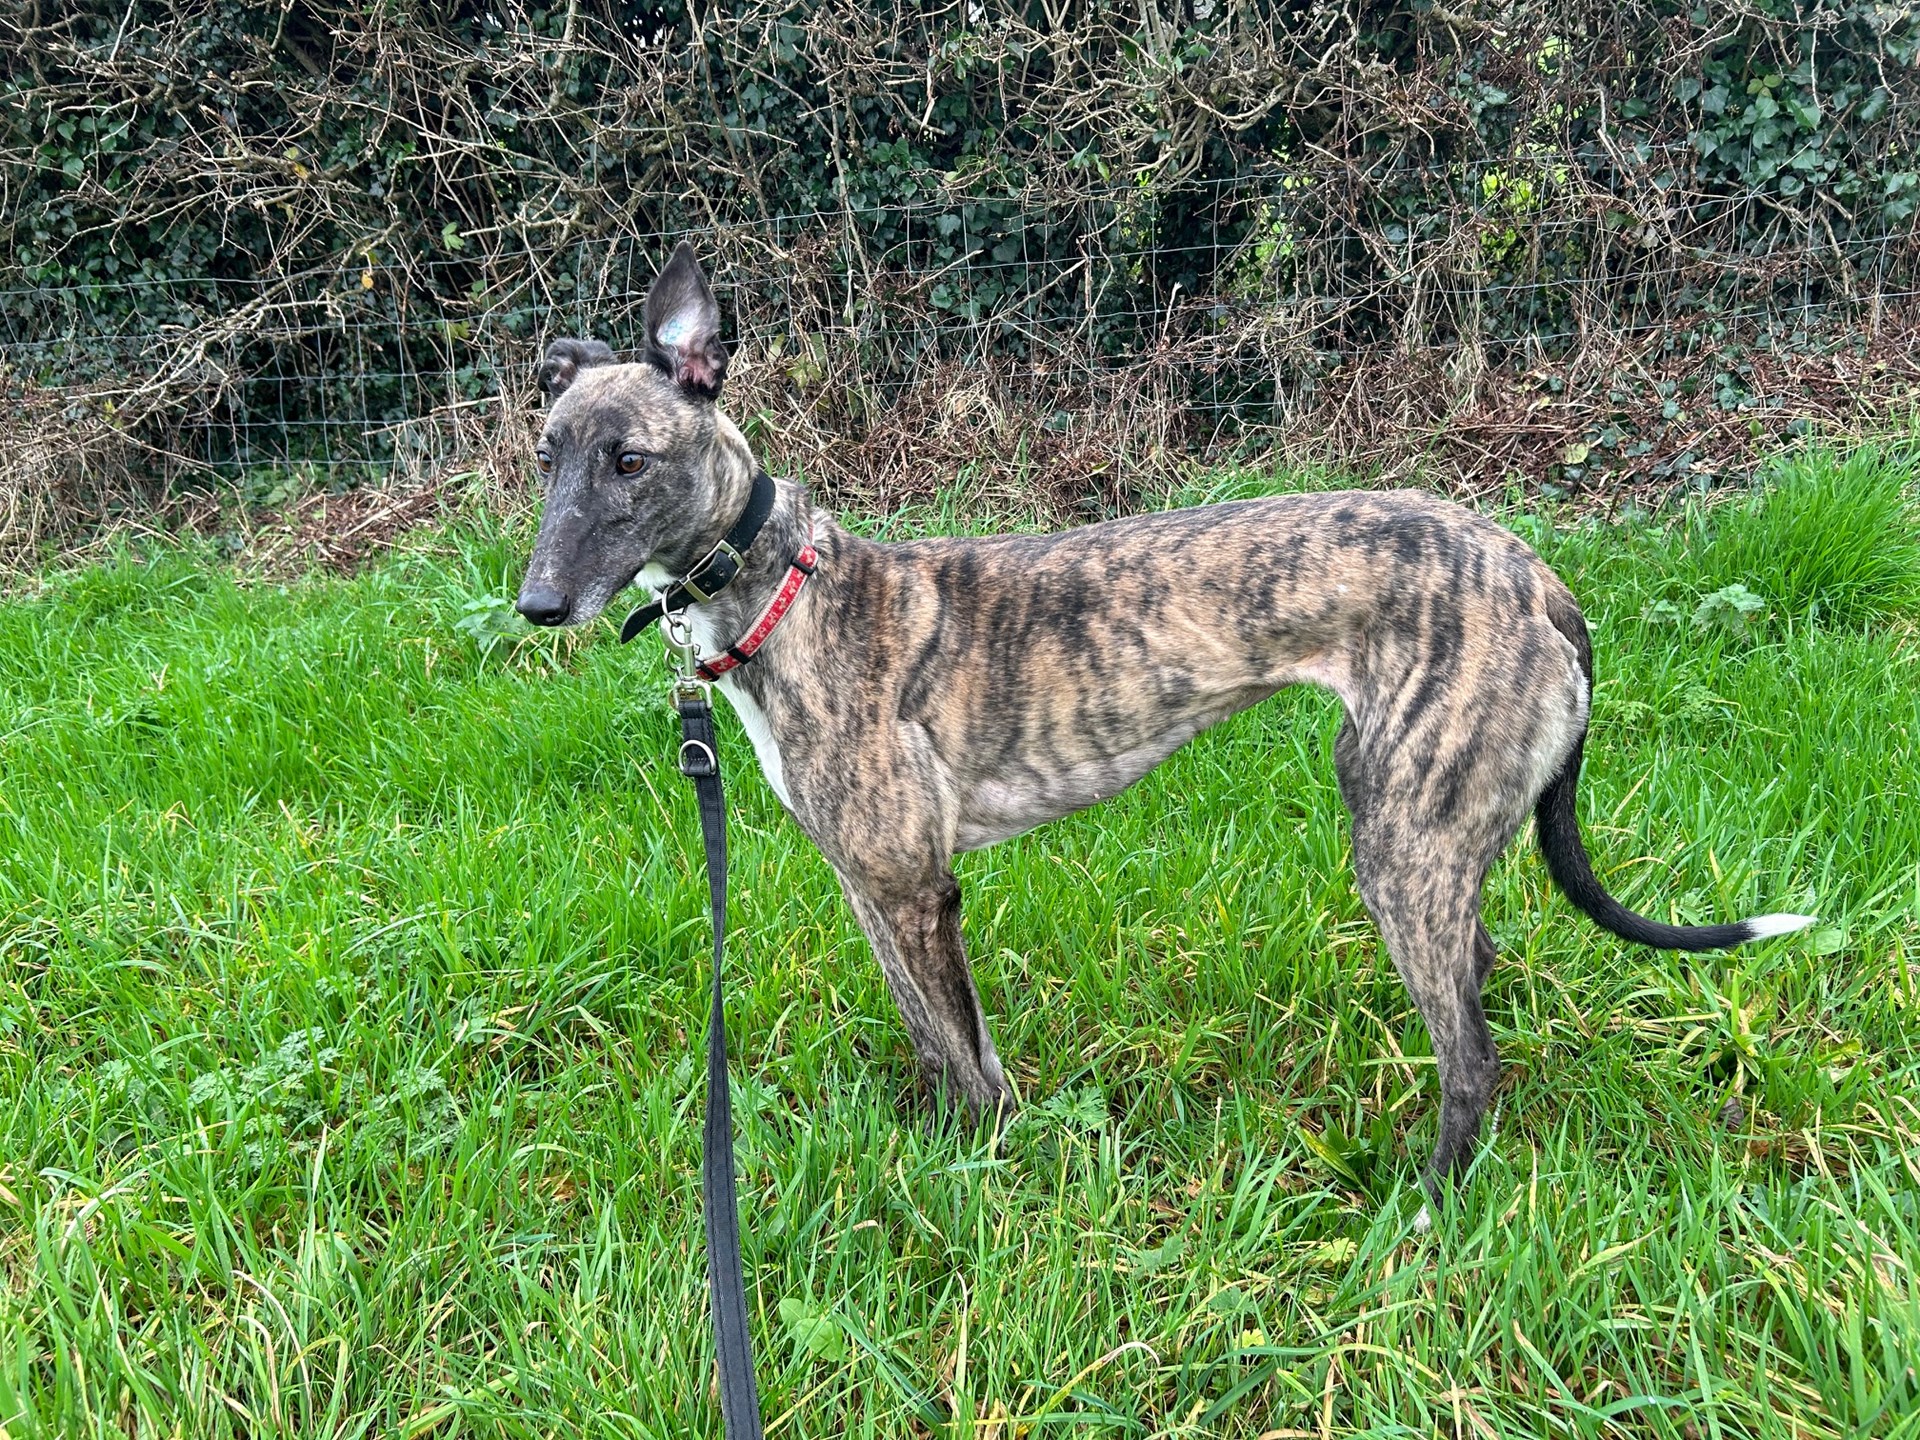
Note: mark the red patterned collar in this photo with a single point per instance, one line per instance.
(799, 571)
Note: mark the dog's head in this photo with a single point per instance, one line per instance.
(642, 472)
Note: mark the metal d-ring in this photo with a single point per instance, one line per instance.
(678, 632)
(703, 756)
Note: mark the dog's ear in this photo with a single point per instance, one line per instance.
(683, 326)
(565, 359)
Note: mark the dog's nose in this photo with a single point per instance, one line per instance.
(543, 605)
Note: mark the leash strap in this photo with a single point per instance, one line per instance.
(726, 1282)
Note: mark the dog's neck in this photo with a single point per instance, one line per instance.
(729, 615)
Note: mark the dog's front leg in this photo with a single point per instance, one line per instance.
(915, 933)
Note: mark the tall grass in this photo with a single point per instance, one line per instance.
(1827, 537)
(351, 983)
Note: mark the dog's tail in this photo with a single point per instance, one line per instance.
(1558, 823)
(1566, 853)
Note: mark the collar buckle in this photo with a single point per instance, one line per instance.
(721, 567)
(723, 562)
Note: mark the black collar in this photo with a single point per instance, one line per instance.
(717, 571)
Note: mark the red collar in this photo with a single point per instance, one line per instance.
(799, 570)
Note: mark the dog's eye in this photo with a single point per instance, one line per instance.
(631, 463)
(544, 460)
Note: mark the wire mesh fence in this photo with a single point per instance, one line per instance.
(1173, 321)
(1067, 247)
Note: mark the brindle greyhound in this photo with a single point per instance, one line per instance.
(925, 698)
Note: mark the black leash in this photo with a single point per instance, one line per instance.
(726, 1281)
(700, 763)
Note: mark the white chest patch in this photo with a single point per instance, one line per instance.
(754, 721)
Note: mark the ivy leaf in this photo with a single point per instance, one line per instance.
(1806, 111)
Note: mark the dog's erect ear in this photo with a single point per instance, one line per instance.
(683, 326)
(565, 359)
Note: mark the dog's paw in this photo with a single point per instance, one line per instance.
(948, 1106)
(1423, 1222)
(993, 1112)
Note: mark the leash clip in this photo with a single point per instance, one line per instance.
(683, 654)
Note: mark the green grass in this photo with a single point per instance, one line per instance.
(351, 988)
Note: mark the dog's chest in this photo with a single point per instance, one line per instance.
(999, 807)
(752, 718)
(754, 721)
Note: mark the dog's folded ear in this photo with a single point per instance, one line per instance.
(565, 359)
(683, 326)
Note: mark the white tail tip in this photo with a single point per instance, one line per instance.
(1762, 926)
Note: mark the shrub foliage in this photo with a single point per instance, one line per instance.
(318, 221)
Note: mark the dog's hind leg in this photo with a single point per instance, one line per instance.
(1427, 912)
(915, 934)
(1422, 884)
(1484, 954)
